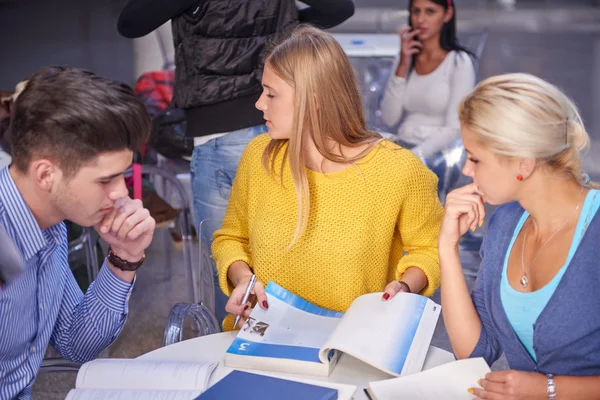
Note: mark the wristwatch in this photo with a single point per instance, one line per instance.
(123, 265)
(551, 387)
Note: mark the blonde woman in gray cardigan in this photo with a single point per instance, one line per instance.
(536, 296)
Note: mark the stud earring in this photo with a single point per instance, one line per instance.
(519, 178)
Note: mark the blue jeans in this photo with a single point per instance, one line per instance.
(213, 168)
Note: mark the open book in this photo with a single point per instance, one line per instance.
(295, 336)
(128, 379)
(451, 382)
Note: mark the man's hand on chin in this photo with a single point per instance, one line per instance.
(128, 229)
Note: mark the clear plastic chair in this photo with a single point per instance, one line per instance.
(449, 163)
(476, 43)
(373, 73)
(452, 159)
(205, 321)
(185, 220)
(83, 248)
(86, 244)
(57, 364)
(202, 312)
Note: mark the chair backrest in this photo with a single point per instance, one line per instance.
(451, 161)
(373, 74)
(455, 156)
(207, 305)
(185, 225)
(476, 43)
(481, 43)
(83, 250)
(208, 287)
(57, 364)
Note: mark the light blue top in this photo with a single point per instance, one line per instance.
(523, 309)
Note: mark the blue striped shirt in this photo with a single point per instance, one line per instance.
(45, 304)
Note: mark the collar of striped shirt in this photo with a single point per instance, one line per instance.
(22, 225)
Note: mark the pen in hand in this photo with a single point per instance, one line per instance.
(245, 298)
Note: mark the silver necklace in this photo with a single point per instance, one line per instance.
(525, 279)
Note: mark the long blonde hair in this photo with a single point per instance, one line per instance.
(328, 107)
(520, 115)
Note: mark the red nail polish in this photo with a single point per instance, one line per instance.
(386, 296)
(265, 305)
(245, 308)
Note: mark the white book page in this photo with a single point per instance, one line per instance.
(449, 382)
(286, 325)
(381, 333)
(110, 394)
(114, 373)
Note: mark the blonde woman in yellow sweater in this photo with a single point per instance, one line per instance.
(320, 205)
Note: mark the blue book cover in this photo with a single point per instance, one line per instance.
(247, 386)
(288, 338)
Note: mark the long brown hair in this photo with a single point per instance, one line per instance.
(328, 108)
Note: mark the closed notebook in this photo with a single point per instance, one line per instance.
(247, 386)
(297, 337)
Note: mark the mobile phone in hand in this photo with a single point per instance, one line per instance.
(418, 39)
(11, 264)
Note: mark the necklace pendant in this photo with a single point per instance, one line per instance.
(524, 281)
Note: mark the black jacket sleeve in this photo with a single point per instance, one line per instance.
(140, 17)
(326, 13)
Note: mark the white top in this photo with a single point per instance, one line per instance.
(430, 103)
(348, 371)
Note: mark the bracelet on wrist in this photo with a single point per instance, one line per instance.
(405, 285)
(122, 264)
(550, 387)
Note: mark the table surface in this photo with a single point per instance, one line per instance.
(349, 370)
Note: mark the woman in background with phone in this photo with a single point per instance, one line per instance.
(434, 73)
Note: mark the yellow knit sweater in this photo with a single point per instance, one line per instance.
(361, 222)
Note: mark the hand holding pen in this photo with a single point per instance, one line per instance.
(249, 289)
(247, 286)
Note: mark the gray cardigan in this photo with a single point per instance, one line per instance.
(566, 336)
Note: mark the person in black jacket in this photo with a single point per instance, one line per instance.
(219, 46)
(219, 51)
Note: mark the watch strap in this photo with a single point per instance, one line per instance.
(123, 265)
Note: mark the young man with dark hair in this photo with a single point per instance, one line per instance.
(72, 137)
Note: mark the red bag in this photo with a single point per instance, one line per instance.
(156, 90)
